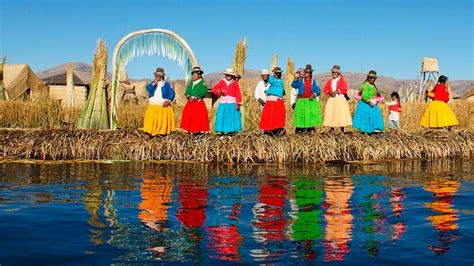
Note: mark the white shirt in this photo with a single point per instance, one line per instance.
(195, 82)
(334, 83)
(261, 90)
(293, 96)
(157, 98)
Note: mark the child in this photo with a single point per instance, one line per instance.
(394, 108)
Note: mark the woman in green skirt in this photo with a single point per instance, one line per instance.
(307, 115)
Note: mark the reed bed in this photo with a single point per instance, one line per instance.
(48, 114)
(130, 144)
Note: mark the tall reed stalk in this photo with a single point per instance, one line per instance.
(2, 88)
(238, 66)
(274, 62)
(95, 112)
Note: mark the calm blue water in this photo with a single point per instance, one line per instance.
(99, 213)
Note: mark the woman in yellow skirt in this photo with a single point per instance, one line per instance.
(337, 113)
(438, 114)
(159, 117)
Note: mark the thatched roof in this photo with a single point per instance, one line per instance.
(79, 78)
(57, 75)
(468, 94)
(18, 78)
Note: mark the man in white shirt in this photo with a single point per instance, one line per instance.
(262, 87)
(294, 91)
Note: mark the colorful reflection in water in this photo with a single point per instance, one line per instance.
(144, 212)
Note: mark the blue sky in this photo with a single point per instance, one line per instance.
(388, 36)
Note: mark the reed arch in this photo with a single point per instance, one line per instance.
(148, 42)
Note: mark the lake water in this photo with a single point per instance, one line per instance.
(102, 213)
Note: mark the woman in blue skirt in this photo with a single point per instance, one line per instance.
(368, 116)
(228, 117)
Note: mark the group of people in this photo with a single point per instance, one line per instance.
(304, 99)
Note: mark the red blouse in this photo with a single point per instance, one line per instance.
(232, 90)
(342, 86)
(307, 88)
(441, 92)
(395, 107)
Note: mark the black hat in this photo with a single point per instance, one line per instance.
(277, 70)
(372, 74)
(160, 71)
(308, 68)
(198, 70)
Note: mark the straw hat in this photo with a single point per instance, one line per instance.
(277, 70)
(197, 69)
(372, 74)
(265, 72)
(336, 68)
(229, 71)
(160, 72)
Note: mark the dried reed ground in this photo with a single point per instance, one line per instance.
(53, 138)
(132, 144)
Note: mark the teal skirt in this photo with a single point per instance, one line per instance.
(228, 119)
(368, 119)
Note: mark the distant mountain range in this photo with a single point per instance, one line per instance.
(385, 84)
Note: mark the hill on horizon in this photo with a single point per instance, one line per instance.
(385, 83)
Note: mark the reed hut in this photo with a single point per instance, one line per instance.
(469, 95)
(56, 82)
(21, 83)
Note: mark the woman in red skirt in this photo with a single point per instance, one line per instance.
(272, 120)
(195, 118)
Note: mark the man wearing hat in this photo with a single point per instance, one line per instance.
(159, 117)
(307, 113)
(262, 87)
(337, 113)
(368, 116)
(272, 120)
(228, 116)
(195, 118)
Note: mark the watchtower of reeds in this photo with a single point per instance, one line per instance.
(427, 78)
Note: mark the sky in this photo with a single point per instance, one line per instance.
(388, 36)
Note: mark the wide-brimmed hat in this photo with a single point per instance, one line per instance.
(336, 68)
(160, 71)
(308, 68)
(265, 72)
(277, 70)
(372, 74)
(197, 69)
(229, 71)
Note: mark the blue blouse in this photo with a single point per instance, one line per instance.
(276, 87)
(167, 92)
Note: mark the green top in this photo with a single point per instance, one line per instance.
(198, 90)
(368, 91)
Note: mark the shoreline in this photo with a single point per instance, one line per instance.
(247, 148)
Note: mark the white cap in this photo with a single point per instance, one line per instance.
(229, 71)
(265, 72)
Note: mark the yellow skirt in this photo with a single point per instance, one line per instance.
(158, 120)
(438, 114)
(337, 112)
